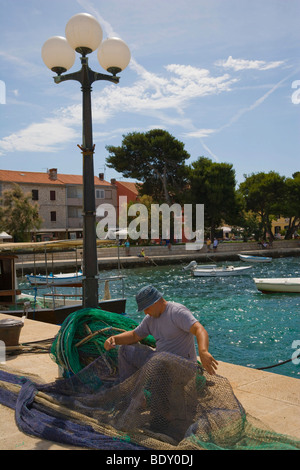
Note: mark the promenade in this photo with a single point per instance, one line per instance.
(113, 257)
(271, 398)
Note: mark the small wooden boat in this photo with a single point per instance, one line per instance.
(62, 280)
(255, 259)
(222, 271)
(280, 285)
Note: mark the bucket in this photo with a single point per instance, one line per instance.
(10, 330)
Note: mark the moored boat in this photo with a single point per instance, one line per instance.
(254, 259)
(193, 265)
(62, 280)
(13, 302)
(279, 285)
(222, 271)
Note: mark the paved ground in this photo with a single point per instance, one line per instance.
(272, 398)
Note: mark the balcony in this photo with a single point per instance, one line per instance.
(74, 201)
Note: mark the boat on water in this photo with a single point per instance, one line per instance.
(279, 285)
(213, 270)
(193, 265)
(222, 271)
(13, 301)
(254, 259)
(62, 280)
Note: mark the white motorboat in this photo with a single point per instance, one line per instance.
(255, 259)
(280, 285)
(193, 265)
(222, 271)
(69, 279)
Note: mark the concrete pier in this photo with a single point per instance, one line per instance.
(273, 399)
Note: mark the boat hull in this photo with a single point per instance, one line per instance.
(62, 280)
(255, 259)
(278, 285)
(221, 272)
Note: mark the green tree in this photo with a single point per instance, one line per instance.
(291, 204)
(156, 159)
(213, 184)
(144, 219)
(18, 215)
(264, 195)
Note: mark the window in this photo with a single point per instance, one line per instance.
(74, 192)
(35, 194)
(53, 216)
(74, 212)
(52, 195)
(100, 194)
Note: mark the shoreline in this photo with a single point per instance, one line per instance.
(111, 260)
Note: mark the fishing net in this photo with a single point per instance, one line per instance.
(169, 404)
(82, 336)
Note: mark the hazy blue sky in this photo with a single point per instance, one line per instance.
(222, 76)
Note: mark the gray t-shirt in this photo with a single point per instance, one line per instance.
(171, 331)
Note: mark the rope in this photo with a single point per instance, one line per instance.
(279, 364)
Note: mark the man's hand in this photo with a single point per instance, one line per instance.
(208, 362)
(110, 343)
(128, 337)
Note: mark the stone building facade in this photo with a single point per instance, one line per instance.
(60, 199)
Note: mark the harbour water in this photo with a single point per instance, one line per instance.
(245, 327)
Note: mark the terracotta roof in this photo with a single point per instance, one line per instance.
(128, 185)
(43, 178)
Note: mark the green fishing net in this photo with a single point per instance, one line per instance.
(169, 404)
(82, 336)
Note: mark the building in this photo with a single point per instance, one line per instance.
(60, 199)
(127, 189)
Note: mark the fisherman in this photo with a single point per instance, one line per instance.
(171, 324)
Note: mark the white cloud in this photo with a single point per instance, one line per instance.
(162, 97)
(201, 133)
(243, 64)
(38, 137)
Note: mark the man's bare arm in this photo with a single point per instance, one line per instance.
(207, 360)
(128, 337)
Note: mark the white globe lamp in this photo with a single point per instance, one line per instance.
(84, 33)
(114, 55)
(58, 55)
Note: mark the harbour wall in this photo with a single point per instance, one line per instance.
(114, 257)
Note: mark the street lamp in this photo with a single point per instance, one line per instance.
(84, 35)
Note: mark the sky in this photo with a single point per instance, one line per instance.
(221, 76)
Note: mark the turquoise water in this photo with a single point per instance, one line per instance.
(245, 327)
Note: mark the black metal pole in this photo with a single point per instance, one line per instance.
(90, 264)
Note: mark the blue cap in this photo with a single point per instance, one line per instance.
(146, 297)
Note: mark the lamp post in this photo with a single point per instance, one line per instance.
(84, 35)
